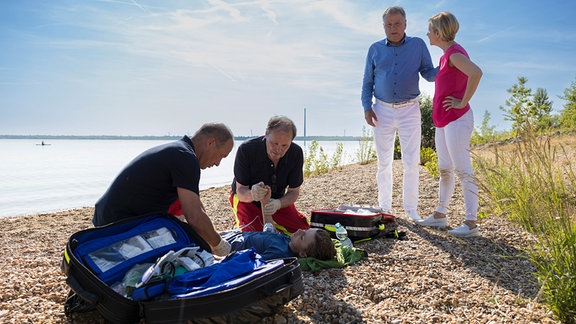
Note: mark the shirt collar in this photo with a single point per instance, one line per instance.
(402, 42)
(188, 141)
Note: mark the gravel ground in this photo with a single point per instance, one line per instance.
(429, 277)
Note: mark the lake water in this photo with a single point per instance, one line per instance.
(72, 173)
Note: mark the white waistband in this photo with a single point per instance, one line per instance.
(397, 104)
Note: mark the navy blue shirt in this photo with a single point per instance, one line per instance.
(148, 183)
(268, 245)
(391, 71)
(253, 165)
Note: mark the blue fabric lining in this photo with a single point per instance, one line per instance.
(240, 267)
(107, 236)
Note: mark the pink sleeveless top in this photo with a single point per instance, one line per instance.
(449, 82)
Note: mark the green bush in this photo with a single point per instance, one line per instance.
(336, 159)
(428, 129)
(429, 160)
(427, 154)
(316, 161)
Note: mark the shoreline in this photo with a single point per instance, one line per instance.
(429, 277)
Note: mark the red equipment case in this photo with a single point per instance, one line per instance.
(360, 221)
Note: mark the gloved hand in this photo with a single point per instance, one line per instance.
(258, 191)
(271, 207)
(269, 227)
(222, 249)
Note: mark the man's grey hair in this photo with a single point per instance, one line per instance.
(281, 123)
(394, 10)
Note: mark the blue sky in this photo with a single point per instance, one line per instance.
(143, 67)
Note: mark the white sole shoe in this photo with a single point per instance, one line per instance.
(433, 222)
(464, 231)
(413, 215)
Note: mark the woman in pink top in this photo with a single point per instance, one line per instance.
(456, 82)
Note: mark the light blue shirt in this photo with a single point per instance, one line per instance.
(391, 72)
(268, 245)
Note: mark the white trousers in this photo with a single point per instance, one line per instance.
(453, 149)
(405, 120)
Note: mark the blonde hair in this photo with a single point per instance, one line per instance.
(446, 25)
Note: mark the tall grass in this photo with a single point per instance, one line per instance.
(533, 183)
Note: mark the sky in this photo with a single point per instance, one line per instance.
(165, 67)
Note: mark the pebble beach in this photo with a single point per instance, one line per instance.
(430, 277)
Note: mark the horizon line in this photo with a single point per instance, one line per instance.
(162, 137)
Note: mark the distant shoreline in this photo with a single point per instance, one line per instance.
(119, 137)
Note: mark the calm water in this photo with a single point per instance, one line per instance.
(75, 173)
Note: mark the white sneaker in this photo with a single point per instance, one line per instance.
(431, 221)
(464, 231)
(413, 215)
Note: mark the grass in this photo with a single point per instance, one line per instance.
(532, 182)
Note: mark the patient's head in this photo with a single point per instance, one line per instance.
(314, 243)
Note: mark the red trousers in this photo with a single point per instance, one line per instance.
(249, 217)
(176, 208)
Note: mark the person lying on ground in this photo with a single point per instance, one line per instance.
(314, 242)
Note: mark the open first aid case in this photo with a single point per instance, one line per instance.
(96, 262)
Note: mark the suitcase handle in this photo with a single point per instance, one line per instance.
(89, 297)
(278, 290)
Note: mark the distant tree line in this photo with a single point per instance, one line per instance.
(530, 111)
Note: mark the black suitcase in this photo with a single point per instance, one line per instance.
(361, 222)
(257, 296)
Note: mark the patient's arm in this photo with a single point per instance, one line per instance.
(263, 202)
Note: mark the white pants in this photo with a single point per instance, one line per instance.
(407, 122)
(453, 149)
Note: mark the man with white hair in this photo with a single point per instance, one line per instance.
(391, 77)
